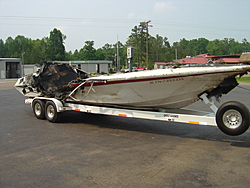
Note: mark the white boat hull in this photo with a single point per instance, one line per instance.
(168, 88)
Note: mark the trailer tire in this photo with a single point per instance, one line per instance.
(51, 113)
(38, 108)
(233, 118)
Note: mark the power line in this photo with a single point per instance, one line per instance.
(158, 23)
(70, 19)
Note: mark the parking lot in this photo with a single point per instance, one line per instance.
(86, 150)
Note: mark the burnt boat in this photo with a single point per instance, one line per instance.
(151, 89)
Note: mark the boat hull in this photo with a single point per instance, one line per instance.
(174, 89)
(155, 89)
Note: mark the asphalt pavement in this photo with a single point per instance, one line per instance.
(86, 150)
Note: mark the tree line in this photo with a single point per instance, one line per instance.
(148, 49)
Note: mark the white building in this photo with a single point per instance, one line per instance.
(10, 68)
(97, 66)
(30, 68)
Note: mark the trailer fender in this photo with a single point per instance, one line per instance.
(58, 104)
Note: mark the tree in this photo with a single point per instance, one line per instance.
(100, 55)
(138, 39)
(38, 55)
(201, 46)
(52, 48)
(109, 51)
(122, 56)
(245, 45)
(215, 47)
(9, 47)
(15, 47)
(55, 49)
(88, 51)
(2, 49)
(75, 55)
(159, 49)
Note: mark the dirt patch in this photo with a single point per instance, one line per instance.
(7, 84)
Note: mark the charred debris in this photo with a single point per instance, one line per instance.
(55, 80)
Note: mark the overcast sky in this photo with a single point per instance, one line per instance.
(103, 21)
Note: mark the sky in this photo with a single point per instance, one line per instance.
(107, 21)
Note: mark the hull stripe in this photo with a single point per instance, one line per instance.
(152, 78)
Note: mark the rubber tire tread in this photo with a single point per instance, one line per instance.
(42, 104)
(242, 109)
(56, 116)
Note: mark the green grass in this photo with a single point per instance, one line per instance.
(244, 79)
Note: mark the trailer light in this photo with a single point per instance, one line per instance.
(122, 115)
(198, 123)
(78, 110)
(194, 122)
(28, 101)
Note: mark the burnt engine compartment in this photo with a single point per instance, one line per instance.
(225, 87)
(57, 79)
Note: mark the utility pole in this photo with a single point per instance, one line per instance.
(117, 58)
(130, 55)
(176, 54)
(146, 24)
(23, 64)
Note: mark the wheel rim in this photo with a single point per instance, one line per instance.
(232, 119)
(50, 111)
(38, 109)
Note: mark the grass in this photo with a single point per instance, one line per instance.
(245, 79)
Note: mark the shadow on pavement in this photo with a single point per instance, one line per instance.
(211, 133)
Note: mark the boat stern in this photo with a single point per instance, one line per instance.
(24, 87)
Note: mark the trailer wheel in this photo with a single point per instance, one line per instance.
(51, 113)
(233, 118)
(38, 108)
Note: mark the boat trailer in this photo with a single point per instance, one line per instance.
(232, 117)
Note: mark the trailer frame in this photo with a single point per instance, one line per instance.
(173, 115)
(232, 118)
